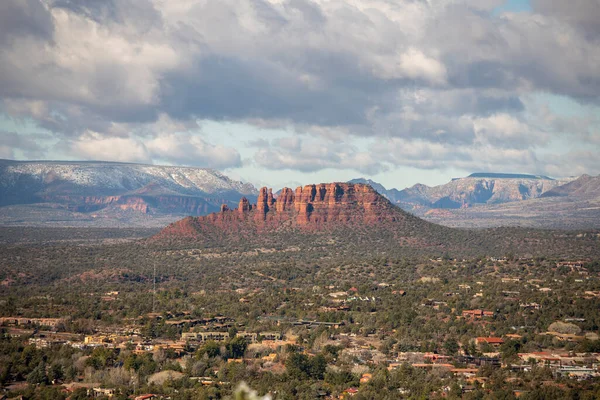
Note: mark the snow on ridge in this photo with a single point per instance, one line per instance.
(124, 176)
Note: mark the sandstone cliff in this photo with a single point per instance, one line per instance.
(312, 207)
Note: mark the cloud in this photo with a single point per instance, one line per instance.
(315, 155)
(581, 14)
(28, 18)
(175, 148)
(28, 145)
(573, 163)
(93, 146)
(414, 64)
(506, 131)
(192, 150)
(436, 77)
(428, 155)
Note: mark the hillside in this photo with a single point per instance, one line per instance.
(352, 218)
(574, 205)
(583, 187)
(72, 191)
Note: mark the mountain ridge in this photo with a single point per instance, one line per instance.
(93, 186)
(565, 203)
(500, 175)
(477, 188)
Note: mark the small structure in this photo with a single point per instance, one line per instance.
(492, 341)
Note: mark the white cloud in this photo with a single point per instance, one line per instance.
(428, 155)
(416, 65)
(504, 130)
(93, 146)
(190, 149)
(315, 155)
(176, 148)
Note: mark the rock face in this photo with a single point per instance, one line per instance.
(312, 207)
(477, 189)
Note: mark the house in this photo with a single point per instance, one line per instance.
(432, 366)
(146, 397)
(436, 358)
(271, 335)
(541, 356)
(350, 392)
(577, 372)
(530, 306)
(365, 378)
(101, 392)
(492, 341)
(16, 321)
(477, 314)
(466, 372)
(479, 361)
(205, 336)
(250, 337)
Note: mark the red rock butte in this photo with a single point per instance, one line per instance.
(312, 207)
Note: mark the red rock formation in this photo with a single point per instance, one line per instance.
(285, 201)
(262, 204)
(244, 205)
(313, 207)
(270, 198)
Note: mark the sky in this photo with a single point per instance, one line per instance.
(290, 92)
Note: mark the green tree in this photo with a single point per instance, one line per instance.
(210, 348)
(451, 347)
(236, 347)
(38, 375)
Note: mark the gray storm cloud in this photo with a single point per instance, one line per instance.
(451, 74)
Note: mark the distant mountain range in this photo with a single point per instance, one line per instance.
(87, 192)
(493, 199)
(478, 188)
(107, 194)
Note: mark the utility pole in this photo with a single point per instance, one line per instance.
(154, 286)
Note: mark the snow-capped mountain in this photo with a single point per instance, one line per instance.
(106, 187)
(480, 188)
